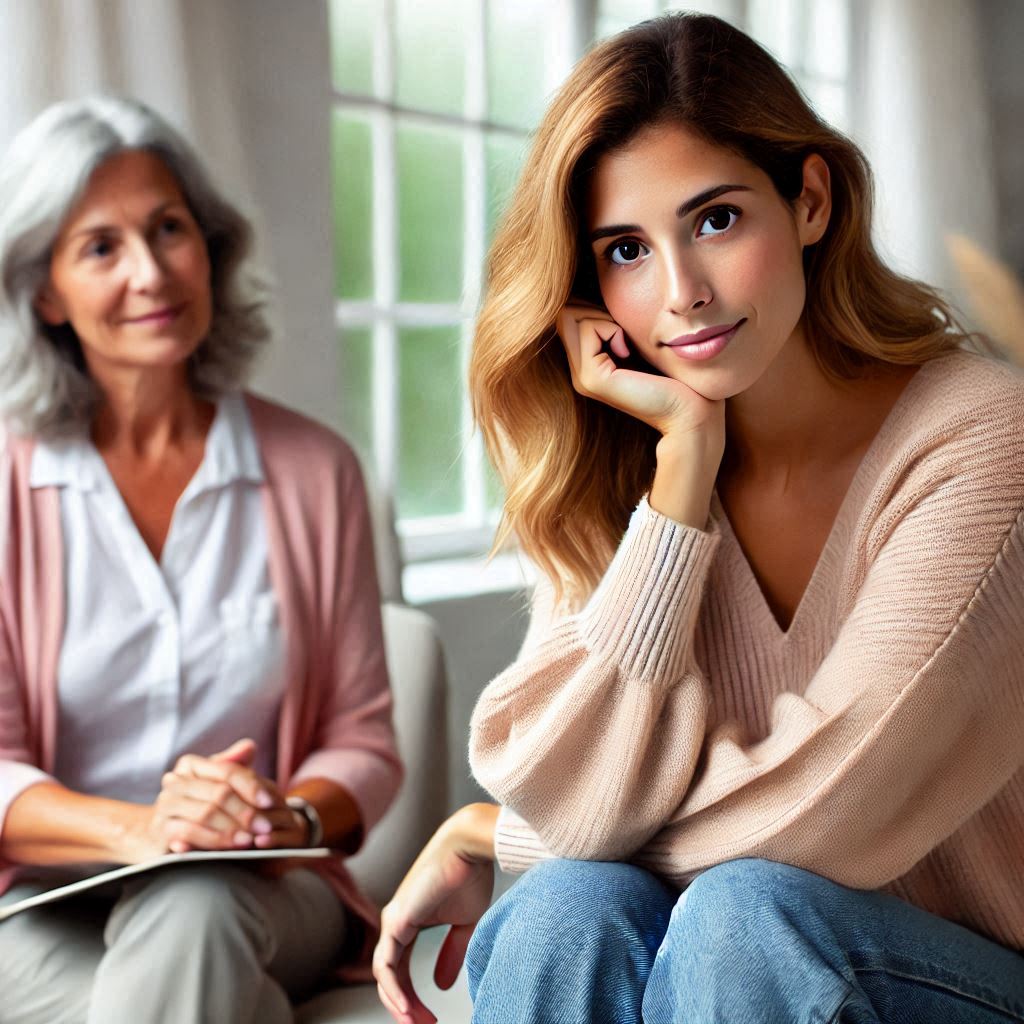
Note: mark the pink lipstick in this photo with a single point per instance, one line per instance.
(704, 344)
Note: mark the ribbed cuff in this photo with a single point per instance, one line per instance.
(516, 846)
(643, 612)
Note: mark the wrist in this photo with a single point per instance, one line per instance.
(471, 831)
(684, 477)
(131, 835)
(308, 818)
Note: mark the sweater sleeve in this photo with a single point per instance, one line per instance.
(17, 771)
(593, 734)
(909, 725)
(355, 742)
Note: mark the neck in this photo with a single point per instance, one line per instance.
(795, 420)
(143, 414)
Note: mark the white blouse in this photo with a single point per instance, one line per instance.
(161, 659)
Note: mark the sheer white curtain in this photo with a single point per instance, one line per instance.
(921, 112)
(247, 81)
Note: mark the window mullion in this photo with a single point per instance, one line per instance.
(385, 235)
(474, 197)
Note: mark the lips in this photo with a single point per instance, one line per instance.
(704, 335)
(158, 316)
(704, 344)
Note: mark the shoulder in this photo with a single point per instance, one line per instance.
(969, 387)
(963, 413)
(290, 441)
(949, 469)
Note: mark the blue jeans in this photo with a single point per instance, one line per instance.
(749, 942)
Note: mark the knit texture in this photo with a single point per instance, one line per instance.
(878, 741)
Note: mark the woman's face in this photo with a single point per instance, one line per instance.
(691, 239)
(130, 269)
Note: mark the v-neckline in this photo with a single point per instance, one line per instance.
(799, 614)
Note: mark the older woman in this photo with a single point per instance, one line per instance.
(191, 654)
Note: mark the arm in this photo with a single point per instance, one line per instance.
(910, 724)
(607, 691)
(352, 771)
(449, 883)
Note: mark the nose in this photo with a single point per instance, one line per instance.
(146, 272)
(686, 286)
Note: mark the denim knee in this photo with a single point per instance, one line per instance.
(561, 901)
(574, 931)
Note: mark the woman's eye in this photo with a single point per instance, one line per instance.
(99, 249)
(720, 219)
(170, 226)
(627, 252)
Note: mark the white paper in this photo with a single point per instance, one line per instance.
(195, 856)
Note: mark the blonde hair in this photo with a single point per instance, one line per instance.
(574, 468)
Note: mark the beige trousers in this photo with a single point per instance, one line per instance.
(215, 943)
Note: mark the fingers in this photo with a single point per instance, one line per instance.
(225, 807)
(394, 982)
(252, 788)
(240, 752)
(219, 802)
(452, 954)
(585, 335)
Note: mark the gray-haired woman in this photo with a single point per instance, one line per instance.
(190, 640)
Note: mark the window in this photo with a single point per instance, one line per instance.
(433, 107)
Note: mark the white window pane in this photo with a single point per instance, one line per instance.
(829, 100)
(615, 15)
(353, 23)
(728, 10)
(828, 38)
(775, 24)
(431, 54)
(517, 59)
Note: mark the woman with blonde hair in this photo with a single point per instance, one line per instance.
(191, 655)
(761, 750)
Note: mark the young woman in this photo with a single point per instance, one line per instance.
(190, 640)
(775, 664)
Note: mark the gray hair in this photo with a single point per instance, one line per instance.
(44, 385)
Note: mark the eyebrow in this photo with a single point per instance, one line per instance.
(683, 210)
(100, 229)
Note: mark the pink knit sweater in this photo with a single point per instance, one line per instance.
(878, 741)
(335, 719)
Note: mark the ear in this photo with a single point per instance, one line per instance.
(49, 306)
(814, 204)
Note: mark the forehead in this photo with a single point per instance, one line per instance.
(661, 167)
(126, 185)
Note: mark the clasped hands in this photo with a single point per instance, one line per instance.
(221, 803)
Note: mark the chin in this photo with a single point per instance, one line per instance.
(714, 384)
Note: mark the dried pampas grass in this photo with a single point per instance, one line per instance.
(996, 296)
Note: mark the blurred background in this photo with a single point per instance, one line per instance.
(375, 142)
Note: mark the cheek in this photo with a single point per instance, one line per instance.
(632, 300)
(773, 279)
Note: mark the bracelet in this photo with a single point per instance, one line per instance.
(305, 810)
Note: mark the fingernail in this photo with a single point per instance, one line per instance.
(261, 825)
(242, 838)
(264, 799)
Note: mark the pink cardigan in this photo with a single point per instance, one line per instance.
(335, 717)
(878, 741)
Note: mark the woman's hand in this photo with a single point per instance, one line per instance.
(449, 883)
(220, 803)
(692, 427)
(667, 405)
